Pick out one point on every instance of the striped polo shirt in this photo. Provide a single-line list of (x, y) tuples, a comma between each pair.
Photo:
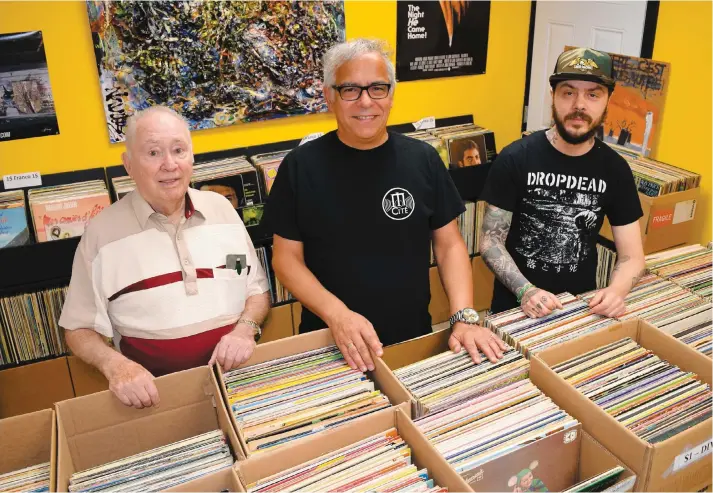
[(162, 292)]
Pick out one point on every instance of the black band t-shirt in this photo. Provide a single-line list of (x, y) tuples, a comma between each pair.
[(365, 218), (558, 204)]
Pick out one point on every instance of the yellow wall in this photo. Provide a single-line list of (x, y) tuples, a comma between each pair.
[(495, 98), (683, 38)]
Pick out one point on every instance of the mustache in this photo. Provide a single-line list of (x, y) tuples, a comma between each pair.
[(579, 114)]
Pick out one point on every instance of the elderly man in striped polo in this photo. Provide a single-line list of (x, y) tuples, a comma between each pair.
[(155, 271)]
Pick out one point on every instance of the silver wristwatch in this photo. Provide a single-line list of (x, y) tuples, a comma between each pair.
[(466, 315), (257, 331)]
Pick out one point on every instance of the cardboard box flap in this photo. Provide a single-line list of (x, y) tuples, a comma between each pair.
[(408, 352), (175, 390), (26, 439), (389, 384), (595, 459)]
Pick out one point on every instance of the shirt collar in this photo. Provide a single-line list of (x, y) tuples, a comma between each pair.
[(144, 211)]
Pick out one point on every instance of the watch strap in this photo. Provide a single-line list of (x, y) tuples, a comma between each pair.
[(257, 331)]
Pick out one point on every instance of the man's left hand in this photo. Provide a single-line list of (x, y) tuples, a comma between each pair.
[(474, 338), (608, 302), (234, 348)]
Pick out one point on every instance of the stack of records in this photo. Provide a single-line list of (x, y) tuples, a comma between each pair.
[(444, 381), (691, 326), (122, 186), (63, 211), (493, 425), (13, 221), (651, 397), (281, 292), (606, 260), (288, 398), (654, 296), (654, 178), (433, 141), (30, 479), (380, 463), (159, 468), (470, 223), (265, 262), (690, 267), (234, 178), (531, 335), (28, 326), (268, 164), (467, 145)]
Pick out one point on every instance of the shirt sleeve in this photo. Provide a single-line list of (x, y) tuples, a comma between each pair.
[(623, 206), (281, 210), (85, 307), (448, 203), (501, 187)]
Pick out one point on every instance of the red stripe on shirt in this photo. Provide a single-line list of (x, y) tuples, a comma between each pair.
[(162, 356), (160, 280)]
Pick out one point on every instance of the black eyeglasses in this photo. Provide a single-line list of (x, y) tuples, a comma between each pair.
[(350, 92)]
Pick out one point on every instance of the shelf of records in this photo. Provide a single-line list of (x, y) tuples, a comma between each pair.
[(606, 410), (61, 211)]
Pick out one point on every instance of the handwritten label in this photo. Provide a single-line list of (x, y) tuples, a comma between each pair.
[(691, 456), (31, 179), (424, 123), (311, 137), (684, 211)]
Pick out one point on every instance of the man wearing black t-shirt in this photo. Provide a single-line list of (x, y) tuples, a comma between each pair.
[(353, 213), (547, 197)]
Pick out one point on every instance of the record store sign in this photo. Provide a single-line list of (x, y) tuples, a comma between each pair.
[(441, 39)]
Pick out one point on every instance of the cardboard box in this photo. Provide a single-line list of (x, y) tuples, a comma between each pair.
[(668, 220), (98, 428), (85, 378), (294, 345), (278, 324), (664, 466), (423, 453), (33, 387), (560, 462), (29, 439), (296, 309)]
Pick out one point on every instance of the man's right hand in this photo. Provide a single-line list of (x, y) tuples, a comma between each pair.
[(132, 384), (537, 302), (354, 335)]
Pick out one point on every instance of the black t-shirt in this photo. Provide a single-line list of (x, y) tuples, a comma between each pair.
[(365, 218), (558, 204)]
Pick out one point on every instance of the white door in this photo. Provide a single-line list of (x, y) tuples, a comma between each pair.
[(613, 26)]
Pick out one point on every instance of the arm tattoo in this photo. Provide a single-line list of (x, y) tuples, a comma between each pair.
[(623, 259), (496, 226), (637, 277)]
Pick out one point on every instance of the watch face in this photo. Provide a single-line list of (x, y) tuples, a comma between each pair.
[(470, 315)]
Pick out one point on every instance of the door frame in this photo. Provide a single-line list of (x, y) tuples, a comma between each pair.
[(647, 46)]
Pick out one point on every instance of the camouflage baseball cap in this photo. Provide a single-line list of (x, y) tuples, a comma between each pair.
[(583, 64)]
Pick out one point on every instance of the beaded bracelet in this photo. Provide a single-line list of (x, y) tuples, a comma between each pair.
[(521, 292)]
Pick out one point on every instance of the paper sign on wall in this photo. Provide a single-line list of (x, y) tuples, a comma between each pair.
[(21, 180)]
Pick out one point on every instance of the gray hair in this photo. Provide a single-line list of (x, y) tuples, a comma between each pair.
[(133, 122), (342, 53)]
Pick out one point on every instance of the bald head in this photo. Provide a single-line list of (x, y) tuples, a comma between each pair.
[(159, 157), (150, 117)]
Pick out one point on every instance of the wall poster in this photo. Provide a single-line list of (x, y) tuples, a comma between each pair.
[(441, 39)]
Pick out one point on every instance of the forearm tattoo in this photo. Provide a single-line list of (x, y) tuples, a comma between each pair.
[(496, 226)]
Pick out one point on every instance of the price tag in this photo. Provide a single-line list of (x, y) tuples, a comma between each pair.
[(311, 137), (692, 455), (31, 179), (425, 123)]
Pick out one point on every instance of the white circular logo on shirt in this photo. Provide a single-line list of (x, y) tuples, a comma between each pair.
[(398, 203)]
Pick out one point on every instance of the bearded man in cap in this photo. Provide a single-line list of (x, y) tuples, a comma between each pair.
[(547, 196)]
